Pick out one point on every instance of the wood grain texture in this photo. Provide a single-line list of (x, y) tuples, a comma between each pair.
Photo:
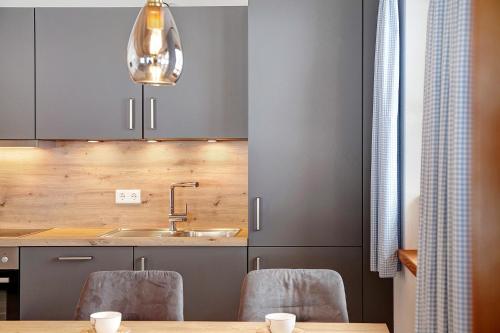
[(184, 327), (74, 183), (409, 259), (485, 211), (90, 237)]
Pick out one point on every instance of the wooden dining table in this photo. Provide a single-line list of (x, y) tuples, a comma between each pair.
[(184, 327)]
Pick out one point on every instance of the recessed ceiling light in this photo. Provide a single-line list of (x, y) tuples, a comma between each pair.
[(93, 141), (211, 141), (152, 141)]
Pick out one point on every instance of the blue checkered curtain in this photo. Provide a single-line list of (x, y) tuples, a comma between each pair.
[(385, 213), (443, 278)]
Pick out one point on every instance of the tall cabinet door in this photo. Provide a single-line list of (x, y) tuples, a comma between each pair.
[(17, 78), (210, 100), (83, 90), (344, 260), (305, 122)]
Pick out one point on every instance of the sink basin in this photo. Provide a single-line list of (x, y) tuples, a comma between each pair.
[(124, 232), (163, 232), (220, 232)]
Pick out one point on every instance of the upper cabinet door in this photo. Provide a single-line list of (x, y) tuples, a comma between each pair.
[(305, 122), (17, 78), (210, 98), (83, 90)]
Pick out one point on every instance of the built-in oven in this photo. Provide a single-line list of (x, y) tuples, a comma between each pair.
[(9, 283)]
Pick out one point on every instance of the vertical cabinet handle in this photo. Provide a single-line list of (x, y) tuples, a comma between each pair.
[(131, 113), (152, 109), (142, 263), (258, 222), (258, 263)]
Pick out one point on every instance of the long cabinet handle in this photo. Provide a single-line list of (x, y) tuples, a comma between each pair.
[(76, 258), (131, 113), (258, 263), (152, 110), (142, 263), (4, 280), (258, 222)]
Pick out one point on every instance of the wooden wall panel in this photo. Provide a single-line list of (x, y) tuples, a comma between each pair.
[(73, 184), (486, 165)]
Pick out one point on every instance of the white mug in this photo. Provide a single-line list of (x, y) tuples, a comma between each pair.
[(106, 321), (280, 322)]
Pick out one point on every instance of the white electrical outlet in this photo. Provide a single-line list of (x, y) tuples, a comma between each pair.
[(128, 196)]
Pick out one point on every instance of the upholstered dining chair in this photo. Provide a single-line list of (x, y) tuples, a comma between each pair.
[(144, 295), (311, 294)]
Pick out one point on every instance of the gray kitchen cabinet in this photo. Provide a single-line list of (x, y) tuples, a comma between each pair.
[(83, 90), (17, 68), (52, 277), (305, 122), (347, 261), (210, 99), (212, 277)]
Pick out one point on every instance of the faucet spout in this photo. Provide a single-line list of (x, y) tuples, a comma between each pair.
[(185, 184), (173, 217)]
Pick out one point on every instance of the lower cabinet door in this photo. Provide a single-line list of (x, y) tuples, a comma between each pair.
[(212, 277), (52, 277), (347, 261)]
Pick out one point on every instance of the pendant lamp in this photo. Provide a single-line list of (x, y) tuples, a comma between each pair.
[(154, 53)]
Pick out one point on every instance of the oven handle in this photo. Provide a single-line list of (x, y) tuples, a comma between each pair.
[(4, 280)]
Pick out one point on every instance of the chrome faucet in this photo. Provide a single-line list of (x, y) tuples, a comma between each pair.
[(174, 217)]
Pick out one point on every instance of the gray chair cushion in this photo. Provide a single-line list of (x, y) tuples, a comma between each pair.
[(311, 294), (146, 295)]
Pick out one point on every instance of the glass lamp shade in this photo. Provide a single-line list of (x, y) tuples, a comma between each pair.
[(154, 53)]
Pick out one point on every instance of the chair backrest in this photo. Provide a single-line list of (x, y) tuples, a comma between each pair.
[(311, 294), (145, 295)]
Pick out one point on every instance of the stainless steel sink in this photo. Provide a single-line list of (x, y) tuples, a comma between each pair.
[(125, 232), (220, 232), (160, 232)]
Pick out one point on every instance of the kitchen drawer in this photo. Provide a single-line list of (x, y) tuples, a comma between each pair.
[(52, 277)]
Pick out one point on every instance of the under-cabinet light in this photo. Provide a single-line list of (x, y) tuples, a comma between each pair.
[(26, 144)]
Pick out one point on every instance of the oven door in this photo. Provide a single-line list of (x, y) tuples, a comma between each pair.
[(9, 294)]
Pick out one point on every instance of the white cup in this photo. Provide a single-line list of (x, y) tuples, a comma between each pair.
[(106, 321), (280, 322)]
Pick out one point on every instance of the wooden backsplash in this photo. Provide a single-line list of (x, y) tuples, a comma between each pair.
[(74, 183)]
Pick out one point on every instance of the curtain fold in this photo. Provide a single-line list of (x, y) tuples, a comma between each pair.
[(443, 278), (385, 210)]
